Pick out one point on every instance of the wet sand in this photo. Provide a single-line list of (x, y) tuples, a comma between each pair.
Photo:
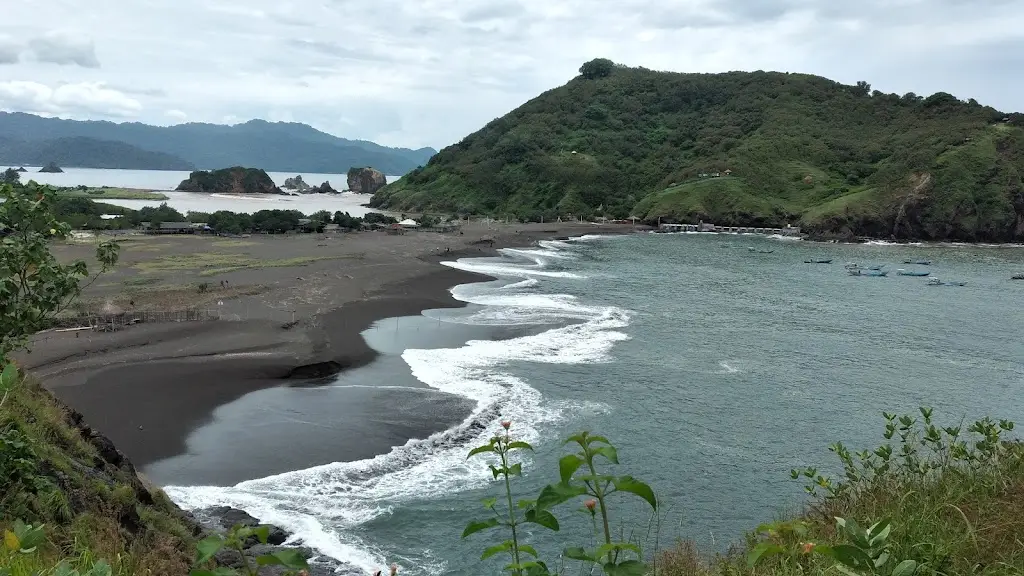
[(148, 386)]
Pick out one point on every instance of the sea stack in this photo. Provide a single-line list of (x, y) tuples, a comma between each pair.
[(234, 180), (365, 180), (51, 168)]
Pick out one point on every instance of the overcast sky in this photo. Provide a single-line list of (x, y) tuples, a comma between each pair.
[(428, 72)]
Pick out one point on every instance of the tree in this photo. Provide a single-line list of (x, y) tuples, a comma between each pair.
[(10, 176), (34, 286), (862, 89), (597, 68)]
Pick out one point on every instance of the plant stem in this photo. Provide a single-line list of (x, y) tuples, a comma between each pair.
[(599, 494), (511, 510)]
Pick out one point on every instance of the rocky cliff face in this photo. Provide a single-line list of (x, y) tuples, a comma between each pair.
[(296, 183), (236, 180), (365, 180)]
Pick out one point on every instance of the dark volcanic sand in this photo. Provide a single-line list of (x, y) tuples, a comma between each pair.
[(149, 386)]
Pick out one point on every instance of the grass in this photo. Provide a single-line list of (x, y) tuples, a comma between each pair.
[(234, 243), (140, 281), (112, 194), (90, 510), (213, 263)]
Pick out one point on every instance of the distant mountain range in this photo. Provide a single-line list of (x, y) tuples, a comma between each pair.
[(273, 146)]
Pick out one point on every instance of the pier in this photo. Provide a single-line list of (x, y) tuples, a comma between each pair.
[(706, 227)]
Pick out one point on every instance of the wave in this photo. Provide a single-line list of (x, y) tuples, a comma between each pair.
[(325, 506)]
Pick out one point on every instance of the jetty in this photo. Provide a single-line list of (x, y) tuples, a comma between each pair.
[(707, 227)]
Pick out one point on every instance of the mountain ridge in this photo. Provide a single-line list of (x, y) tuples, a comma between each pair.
[(272, 146), (839, 160), (84, 152)]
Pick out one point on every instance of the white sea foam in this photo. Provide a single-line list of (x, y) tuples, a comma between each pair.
[(727, 368), (324, 505)]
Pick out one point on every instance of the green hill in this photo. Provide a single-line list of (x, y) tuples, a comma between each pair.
[(800, 149)]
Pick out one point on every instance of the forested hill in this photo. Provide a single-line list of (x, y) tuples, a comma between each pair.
[(272, 146), (86, 153), (788, 148)]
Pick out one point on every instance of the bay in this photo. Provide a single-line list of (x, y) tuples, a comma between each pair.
[(713, 368)]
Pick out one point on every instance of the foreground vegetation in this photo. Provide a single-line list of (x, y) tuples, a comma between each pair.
[(797, 149)]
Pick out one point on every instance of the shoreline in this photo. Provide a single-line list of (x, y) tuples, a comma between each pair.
[(149, 387)]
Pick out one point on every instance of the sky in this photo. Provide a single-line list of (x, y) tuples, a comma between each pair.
[(428, 72)]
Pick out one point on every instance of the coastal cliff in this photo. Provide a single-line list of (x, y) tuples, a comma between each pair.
[(738, 149), (365, 180), (234, 180)]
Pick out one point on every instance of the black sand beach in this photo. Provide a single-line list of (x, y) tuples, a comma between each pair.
[(149, 385)]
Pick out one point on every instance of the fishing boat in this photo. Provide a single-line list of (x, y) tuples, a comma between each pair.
[(867, 272), (902, 272), (1017, 277), (937, 282), (818, 261), (920, 262), (752, 249)]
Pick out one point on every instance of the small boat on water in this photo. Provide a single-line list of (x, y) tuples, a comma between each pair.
[(920, 262), (818, 261), (920, 273), (867, 272), (752, 249), (937, 282), (1017, 277)]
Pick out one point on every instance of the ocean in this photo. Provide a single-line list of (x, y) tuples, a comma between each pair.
[(713, 368), (166, 181)]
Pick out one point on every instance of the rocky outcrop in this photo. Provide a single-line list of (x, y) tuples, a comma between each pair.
[(21, 169), (50, 168), (234, 180), (296, 183), (324, 188), (365, 180)]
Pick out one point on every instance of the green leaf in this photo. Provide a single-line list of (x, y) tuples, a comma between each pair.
[(220, 571), (8, 377), (905, 568), (524, 503), (608, 452), (520, 445), (579, 438), (489, 503), (879, 532), (516, 470), (577, 553), (62, 569), (567, 466), (476, 526), (290, 559), (634, 486), (100, 568), (527, 549), (480, 450), (627, 568), (762, 550), (503, 547), (207, 547), (555, 494), (852, 557), (602, 439), (604, 549), (262, 533), (543, 518)]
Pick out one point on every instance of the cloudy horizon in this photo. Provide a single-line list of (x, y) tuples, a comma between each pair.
[(428, 73)]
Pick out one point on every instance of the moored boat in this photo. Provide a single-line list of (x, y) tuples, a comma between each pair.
[(937, 282), (1017, 277), (920, 273), (818, 261), (866, 272), (920, 262)]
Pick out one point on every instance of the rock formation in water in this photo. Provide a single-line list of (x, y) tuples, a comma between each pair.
[(21, 169), (365, 180), (296, 183), (324, 188), (50, 168), (235, 180)]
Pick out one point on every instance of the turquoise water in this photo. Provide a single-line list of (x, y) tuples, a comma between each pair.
[(713, 368)]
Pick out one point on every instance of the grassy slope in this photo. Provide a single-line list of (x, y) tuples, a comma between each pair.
[(804, 149), (112, 194), (90, 499)]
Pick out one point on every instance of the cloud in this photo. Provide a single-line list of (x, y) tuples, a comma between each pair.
[(428, 73), (64, 48), (79, 100), (176, 115)]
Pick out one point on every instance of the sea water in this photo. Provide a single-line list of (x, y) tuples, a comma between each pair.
[(714, 369)]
